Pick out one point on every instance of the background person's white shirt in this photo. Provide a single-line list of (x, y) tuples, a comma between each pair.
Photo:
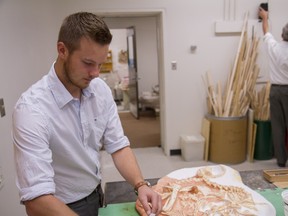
[(278, 59)]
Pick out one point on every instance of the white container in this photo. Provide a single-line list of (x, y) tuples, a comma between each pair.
[(284, 195), (192, 147)]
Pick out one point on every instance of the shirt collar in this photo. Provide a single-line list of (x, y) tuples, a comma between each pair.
[(88, 92), (61, 95)]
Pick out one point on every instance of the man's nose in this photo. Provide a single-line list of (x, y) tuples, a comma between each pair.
[(94, 72)]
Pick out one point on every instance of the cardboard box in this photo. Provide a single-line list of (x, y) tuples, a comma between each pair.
[(276, 175)]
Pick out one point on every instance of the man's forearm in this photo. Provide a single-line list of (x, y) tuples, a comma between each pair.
[(47, 205), (264, 15), (127, 165)]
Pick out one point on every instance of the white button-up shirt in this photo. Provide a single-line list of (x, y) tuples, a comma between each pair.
[(57, 138), (278, 59)]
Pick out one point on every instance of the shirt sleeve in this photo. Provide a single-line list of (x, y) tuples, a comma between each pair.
[(270, 40), (33, 157), (114, 138)]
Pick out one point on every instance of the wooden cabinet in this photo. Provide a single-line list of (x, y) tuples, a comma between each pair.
[(108, 65)]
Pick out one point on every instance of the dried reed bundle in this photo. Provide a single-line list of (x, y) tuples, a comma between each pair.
[(260, 103), (237, 95)]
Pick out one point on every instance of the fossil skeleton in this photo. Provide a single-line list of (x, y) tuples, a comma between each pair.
[(198, 196)]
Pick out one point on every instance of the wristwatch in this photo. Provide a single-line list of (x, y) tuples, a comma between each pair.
[(140, 184)]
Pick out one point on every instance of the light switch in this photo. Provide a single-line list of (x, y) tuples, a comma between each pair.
[(174, 65), (2, 108)]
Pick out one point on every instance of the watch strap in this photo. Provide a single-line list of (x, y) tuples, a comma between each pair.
[(140, 184)]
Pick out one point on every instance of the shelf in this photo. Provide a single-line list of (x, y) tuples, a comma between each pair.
[(108, 65)]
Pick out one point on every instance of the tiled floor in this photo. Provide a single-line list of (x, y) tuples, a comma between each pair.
[(155, 164)]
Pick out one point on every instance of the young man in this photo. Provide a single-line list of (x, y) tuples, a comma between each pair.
[(278, 70), (60, 124)]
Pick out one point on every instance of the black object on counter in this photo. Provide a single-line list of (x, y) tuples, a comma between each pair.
[(265, 7)]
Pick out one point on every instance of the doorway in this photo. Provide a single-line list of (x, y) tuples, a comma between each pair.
[(125, 19)]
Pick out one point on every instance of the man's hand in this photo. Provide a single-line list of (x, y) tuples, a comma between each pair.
[(151, 201)]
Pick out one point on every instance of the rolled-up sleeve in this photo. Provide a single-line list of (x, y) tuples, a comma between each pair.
[(32, 154)]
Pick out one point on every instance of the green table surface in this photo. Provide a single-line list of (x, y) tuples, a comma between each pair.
[(274, 197), (128, 209), (121, 209)]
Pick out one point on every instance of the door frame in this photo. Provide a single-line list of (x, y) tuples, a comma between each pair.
[(133, 72), (159, 14)]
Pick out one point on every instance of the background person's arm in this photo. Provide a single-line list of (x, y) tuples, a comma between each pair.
[(264, 15)]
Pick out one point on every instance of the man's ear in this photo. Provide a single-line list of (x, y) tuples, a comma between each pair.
[(283, 38), (62, 50)]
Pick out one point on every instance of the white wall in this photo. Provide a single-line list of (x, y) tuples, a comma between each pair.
[(27, 41), (28, 47)]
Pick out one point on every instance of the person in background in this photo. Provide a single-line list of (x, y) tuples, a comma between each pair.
[(278, 70), (61, 123)]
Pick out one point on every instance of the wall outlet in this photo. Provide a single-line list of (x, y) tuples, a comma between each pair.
[(2, 107)]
